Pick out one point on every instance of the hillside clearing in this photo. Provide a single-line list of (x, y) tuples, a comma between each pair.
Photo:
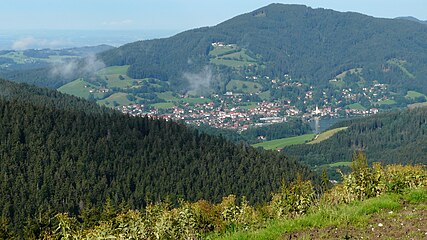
[(283, 142), (386, 102), (356, 106), (414, 94), (325, 135), (243, 86)]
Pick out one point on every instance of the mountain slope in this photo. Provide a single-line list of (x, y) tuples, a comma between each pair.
[(310, 44), (394, 137), (55, 157)]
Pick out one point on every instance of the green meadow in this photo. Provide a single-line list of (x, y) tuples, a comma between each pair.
[(283, 142)]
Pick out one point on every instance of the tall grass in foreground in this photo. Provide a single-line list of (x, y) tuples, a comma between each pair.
[(295, 206), (363, 192)]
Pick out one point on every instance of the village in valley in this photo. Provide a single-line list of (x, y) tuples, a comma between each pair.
[(232, 111), (247, 100)]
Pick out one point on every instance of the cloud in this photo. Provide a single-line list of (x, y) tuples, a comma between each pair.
[(68, 69), (119, 23), (200, 82), (31, 42)]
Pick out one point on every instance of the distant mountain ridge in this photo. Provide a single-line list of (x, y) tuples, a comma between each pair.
[(36, 66), (313, 45), (413, 19)]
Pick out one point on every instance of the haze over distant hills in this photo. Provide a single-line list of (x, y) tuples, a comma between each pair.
[(59, 39)]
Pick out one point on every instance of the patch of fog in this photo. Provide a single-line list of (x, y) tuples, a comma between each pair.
[(200, 83), (87, 66)]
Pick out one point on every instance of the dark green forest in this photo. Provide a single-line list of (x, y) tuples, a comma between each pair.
[(309, 44), (44, 97), (293, 127), (38, 76), (392, 137), (62, 154)]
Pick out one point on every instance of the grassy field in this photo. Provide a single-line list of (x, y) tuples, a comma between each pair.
[(165, 105), (338, 80), (325, 135), (357, 106), (231, 56), (307, 138), (114, 70), (116, 77), (119, 98), (243, 86), (351, 71), (386, 102), (414, 94), (167, 96), (218, 51), (77, 88), (340, 164), (241, 56), (249, 105), (230, 62), (337, 164), (196, 100), (283, 142), (401, 64)]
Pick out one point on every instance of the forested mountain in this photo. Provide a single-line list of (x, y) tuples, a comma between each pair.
[(393, 137), (55, 157), (314, 45), (413, 19)]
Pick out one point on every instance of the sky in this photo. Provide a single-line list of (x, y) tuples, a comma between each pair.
[(58, 24), (175, 15)]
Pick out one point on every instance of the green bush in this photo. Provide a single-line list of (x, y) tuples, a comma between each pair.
[(292, 200), (365, 182)]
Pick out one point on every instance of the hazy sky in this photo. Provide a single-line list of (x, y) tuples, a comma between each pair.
[(169, 14)]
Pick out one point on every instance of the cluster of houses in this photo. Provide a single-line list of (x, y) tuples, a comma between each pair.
[(231, 112)]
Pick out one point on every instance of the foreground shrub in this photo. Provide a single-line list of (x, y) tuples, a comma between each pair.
[(399, 177), (198, 220), (292, 200), (364, 182)]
